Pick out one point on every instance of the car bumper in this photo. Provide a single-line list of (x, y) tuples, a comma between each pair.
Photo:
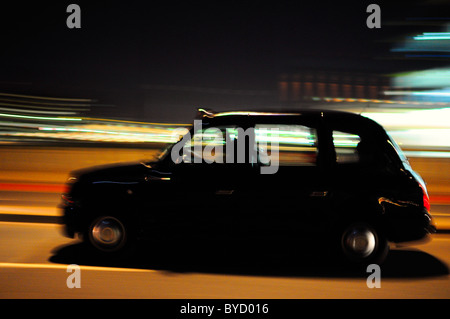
[(413, 228), (71, 221)]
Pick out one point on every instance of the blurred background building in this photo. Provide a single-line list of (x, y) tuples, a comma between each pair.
[(161, 63)]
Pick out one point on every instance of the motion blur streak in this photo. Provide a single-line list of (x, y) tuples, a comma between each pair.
[(411, 128), (48, 188), (40, 117), (46, 97), (34, 111), (53, 266)]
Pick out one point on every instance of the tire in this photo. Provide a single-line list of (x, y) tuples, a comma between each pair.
[(110, 235), (362, 244)]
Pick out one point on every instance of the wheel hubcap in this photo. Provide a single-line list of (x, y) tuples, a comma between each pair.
[(108, 233), (359, 241)]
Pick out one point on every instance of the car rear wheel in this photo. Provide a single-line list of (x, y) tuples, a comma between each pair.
[(361, 243)]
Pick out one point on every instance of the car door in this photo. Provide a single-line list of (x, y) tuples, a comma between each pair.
[(207, 182), (290, 202)]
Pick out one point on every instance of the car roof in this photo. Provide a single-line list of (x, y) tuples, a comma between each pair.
[(336, 120)]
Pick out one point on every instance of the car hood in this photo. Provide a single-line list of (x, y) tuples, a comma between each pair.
[(123, 172)]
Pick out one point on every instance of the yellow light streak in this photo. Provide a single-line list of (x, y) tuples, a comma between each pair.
[(64, 267), (134, 122), (40, 117)]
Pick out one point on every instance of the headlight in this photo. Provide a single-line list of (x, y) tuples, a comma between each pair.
[(69, 183), (71, 179)]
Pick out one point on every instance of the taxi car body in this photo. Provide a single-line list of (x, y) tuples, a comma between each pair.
[(337, 179)]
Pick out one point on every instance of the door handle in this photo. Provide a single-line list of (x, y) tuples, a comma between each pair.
[(318, 194), (224, 191)]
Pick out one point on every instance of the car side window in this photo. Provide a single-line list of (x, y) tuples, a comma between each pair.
[(296, 144), (208, 145), (346, 147)]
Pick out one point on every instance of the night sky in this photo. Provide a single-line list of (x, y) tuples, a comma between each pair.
[(124, 47)]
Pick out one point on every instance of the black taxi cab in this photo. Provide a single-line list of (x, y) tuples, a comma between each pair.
[(301, 178)]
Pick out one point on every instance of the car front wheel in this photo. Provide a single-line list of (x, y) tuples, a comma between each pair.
[(108, 234)]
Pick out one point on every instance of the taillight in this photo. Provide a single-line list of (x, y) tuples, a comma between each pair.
[(426, 199)]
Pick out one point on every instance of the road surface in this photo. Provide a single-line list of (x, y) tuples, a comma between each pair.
[(34, 264), (34, 256)]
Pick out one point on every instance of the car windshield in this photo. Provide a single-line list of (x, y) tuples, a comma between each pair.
[(164, 152)]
